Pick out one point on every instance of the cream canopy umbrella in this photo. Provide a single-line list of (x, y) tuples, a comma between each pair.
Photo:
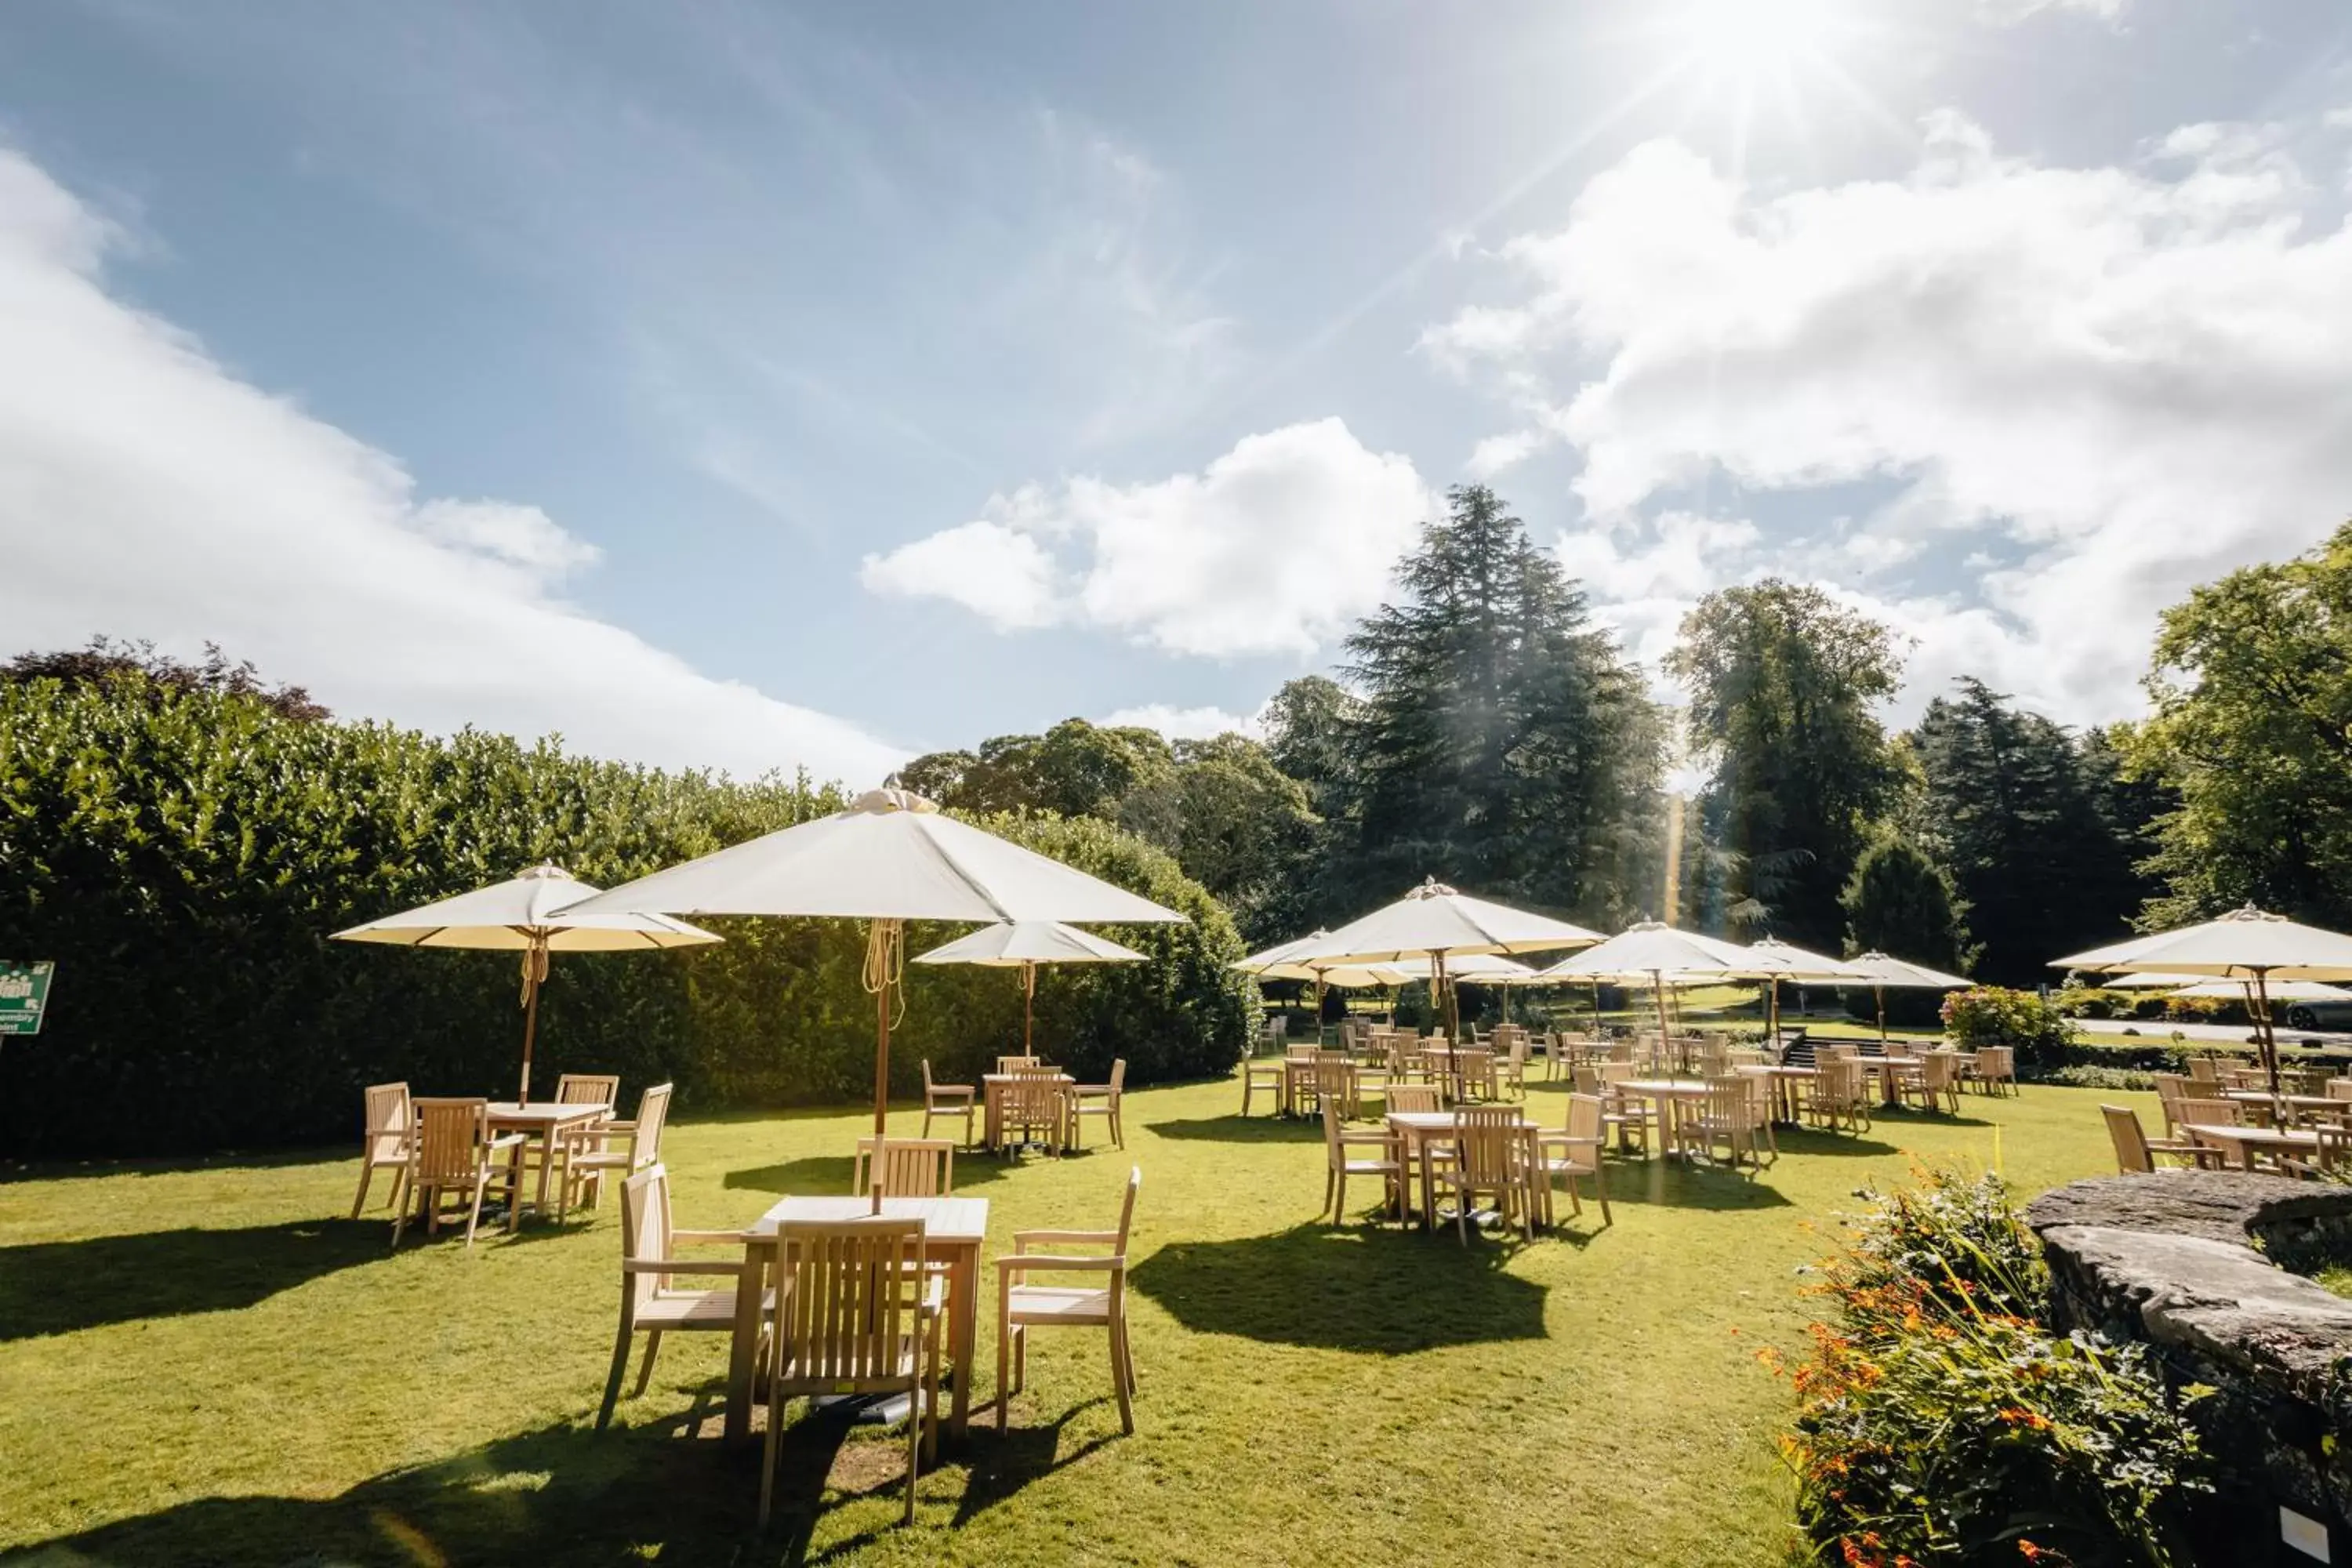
[(1435, 923), (1881, 971), (892, 856), (530, 914), (2248, 945), (1024, 945), (1663, 953), (1775, 961), (1476, 969), (1278, 963)]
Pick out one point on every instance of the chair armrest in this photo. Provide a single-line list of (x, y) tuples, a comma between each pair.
[(676, 1265), (1025, 1261), (1562, 1141), (614, 1127), (1100, 1237), (708, 1238)]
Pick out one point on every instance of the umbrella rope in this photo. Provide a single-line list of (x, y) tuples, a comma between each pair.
[(534, 972), (885, 964)]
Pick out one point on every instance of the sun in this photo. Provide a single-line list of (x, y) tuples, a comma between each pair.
[(1748, 40)]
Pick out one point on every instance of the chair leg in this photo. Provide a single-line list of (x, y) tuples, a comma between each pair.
[(1599, 1185), (645, 1372), (367, 1174), (914, 1454), (1126, 1351), (1020, 1360), (931, 1411), (620, 1365), (1117, 1131), (1328, 1177), (1339, 1199), (769, 1446), (927, 1118), (400, 1220), (1119, 1381), (474, 1210), (1003, 1355)]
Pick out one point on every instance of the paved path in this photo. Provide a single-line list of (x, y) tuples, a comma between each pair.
[(2162, 1029)]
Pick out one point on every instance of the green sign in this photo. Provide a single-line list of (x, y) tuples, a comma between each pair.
[(24, 994)]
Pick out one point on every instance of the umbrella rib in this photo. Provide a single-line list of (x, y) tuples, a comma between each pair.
[(965, 877)]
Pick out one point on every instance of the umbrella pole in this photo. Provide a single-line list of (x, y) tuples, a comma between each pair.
[(2263, 1032), (885, 955), (1658, 995), (534, 963), (1319, 1009), (1028, 1009), (1879, 991)]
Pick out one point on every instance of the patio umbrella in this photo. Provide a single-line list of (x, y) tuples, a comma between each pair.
[(1435, 923), (891, 857), (1882, 971), (1024, 945), (1477, 969), (2248, 945), (530, 914), (1663, 953), (1775, 961), (1278, 963)]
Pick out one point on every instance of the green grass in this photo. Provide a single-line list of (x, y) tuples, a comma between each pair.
[(207, 1363)]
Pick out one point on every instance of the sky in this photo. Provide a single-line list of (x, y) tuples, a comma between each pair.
[(749, 387)]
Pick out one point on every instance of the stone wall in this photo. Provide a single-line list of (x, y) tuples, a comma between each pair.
[(2190, 1262)]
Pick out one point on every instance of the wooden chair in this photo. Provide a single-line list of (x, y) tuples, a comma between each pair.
[(453, 1151), (1022, 1306), (1474, 1070), (2171, 1088), (2205, 1071), (1423, 1096), (1841, 1096), (857, 1311), (2338, 1087), (907, 1168), (1725, 1120), (1995, 1069), (2333, 1159), (1098, 1100), (627, 1147), (1261, 1073), (651, 1302), (1632, 1123), (1016, 1064), (1491, 1156), (1510, 1070), (1032, 1100), (2210, 1112), (383, 1146), (589, 1088), (1935, 1086), (949, 1100), (1572, 1154), (2136, 1152), (1338, 1167)]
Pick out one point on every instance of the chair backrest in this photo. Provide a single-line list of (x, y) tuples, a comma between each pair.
[(2340, 1088), (849, 1307), (645, 1230), (1118, 1075), (907, 1167), (1332, 1077), (1937, 1068), (1486, 1142), (1306, 1051), (2002, 1061), (1585, 1078), (588, 1088), (387, 1122), (2204, 1070), (2169, 1088), (449, 1138), (1728, 1102), (2131, 1144), (1033, 1098), (1412, 1097), (1472, 1063), (1126, 1206), (653, 1115), (1620, 1051), (1016, 1064), (928, 1084), (1840, 1081), (2208, 1112)]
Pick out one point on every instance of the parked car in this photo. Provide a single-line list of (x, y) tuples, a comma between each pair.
[(2335, 1016)]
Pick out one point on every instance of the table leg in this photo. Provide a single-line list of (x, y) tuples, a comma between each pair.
[(546, 1163), (745, 1350), (963, 1310)]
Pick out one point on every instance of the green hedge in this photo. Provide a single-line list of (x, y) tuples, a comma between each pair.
[(185, 857)]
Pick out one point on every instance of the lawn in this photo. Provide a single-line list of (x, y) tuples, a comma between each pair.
[(208, 1364)]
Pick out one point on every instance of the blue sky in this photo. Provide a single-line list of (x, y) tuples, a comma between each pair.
[(749, 386)]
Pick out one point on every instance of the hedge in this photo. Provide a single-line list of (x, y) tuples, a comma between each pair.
[(184, 857)]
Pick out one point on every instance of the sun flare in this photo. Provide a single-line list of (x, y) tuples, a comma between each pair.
[(1749, 38)]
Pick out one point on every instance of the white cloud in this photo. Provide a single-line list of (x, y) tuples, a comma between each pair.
[(1276, 547), (1186, 723), (147, 492), (993, 571), (2133, 375), (2006, 13)]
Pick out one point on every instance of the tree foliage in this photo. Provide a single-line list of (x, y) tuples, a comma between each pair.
[(1783, 684), (1900, 903), (2252, 684), (183, 855), (139, 667), (2017, 807)]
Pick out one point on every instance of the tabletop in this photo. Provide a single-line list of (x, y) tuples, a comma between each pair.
[(944, 1219), (553, 1111), (1434, 1121), (2275, 1137), (1659, 1085), (1015, 1077), (2300, 1102), (1775, 1069)]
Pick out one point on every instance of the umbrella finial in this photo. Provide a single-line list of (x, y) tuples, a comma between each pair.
[(2251, 913), (1431, 887)]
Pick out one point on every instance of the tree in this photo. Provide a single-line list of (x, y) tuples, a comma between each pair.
[(1899, 901), (108, 662), (1782, 684), (2044, 870), (2252, 682), (1500, 741), (1246, 832), (1310, 727)]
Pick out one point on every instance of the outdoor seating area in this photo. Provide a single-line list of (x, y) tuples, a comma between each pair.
[(1239, 1323)]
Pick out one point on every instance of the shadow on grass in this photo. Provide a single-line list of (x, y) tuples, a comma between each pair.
[(562, 1495), (1678, 1183), (88, 1170), (823, 1176), (57, 1286), (1241, 1130), (1004, 1462), (1809, 1140), (1345, 1289)]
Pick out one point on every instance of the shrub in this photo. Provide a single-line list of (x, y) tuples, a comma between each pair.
[(1939, 1423), (184, 855), (1997, 1016)]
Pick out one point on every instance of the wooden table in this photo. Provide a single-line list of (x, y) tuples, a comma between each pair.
[(1415, 1130), (2241, 1143), (953, 1232), (1786, 1083), (2303, 1105), (992, 1094), (545, 1119), (1669, 1095)]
